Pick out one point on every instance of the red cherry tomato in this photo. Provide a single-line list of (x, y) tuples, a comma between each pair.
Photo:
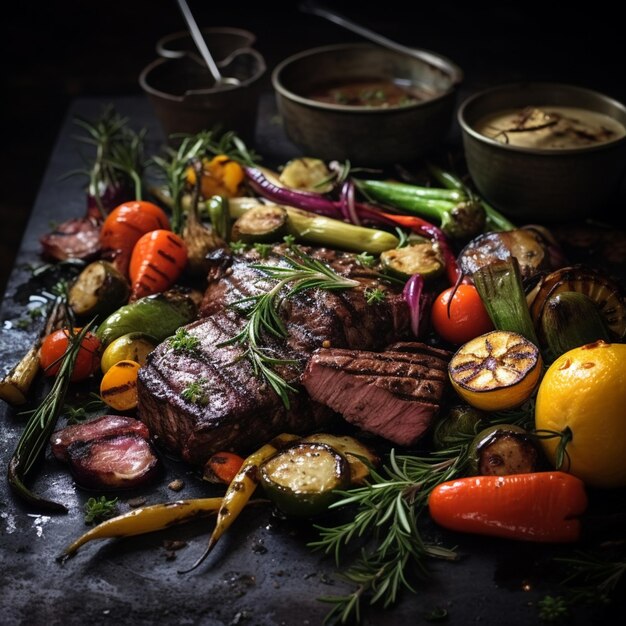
[(54, 346), (467, 316)]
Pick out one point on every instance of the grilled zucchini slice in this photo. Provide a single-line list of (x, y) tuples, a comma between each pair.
[(302, 478)]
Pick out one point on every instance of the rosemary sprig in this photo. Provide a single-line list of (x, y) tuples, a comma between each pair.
[(387, 514), (301, 272), (40, 426), (127, 157)]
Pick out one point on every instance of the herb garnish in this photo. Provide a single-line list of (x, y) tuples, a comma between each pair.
[(99, 509), (238, 246), (195, 392), (263, 249), (365, 259), (78, 414), (374, 296), (183, 341), (302, 273)]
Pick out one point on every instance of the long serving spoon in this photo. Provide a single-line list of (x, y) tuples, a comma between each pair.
[(220, 81), (433, 60)]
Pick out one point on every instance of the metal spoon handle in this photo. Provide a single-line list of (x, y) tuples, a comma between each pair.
[(423, 55), (199, 40)]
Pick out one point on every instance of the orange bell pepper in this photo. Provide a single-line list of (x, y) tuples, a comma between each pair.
[(539, 506)]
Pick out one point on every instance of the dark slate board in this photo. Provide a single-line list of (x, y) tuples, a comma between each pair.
[(262, 573)]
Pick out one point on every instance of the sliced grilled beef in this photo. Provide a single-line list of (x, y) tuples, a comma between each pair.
[(104, 426), (394, 394), (115, 462), (234, 408)]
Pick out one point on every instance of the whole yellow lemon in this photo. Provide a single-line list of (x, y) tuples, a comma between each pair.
[(585, 390)]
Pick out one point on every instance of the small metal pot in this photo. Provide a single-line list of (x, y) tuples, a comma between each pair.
[(180, 87), (539, 184), (364, 135)]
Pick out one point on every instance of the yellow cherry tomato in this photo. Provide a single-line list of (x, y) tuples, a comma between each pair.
[(130, 347), (119, 386)]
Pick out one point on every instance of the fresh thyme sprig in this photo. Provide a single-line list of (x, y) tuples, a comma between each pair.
[(183, 341), (99, 509), (301, 272), (76, 414), (375, 296), (195, 392), (387, 515)]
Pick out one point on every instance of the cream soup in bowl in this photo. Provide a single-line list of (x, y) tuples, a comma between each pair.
[(550, 127)]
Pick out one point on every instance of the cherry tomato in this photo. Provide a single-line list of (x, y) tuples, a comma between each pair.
[(54, 346), (467, 315)]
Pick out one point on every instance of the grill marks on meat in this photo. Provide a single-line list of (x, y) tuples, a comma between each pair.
[(393, 394), (112, 451), (239, 410)]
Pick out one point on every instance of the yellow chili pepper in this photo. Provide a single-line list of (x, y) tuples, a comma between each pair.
[(221, 176), (240, 491), (146, 520)]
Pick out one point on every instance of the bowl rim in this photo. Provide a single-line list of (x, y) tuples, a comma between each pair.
[(348, 108), (168, 53), (547, 152), (153, 91)]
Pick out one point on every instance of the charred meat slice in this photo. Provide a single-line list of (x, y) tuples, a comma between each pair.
[(74, 239), (392, 394), (116, 462), (235, 409), (105, 426)]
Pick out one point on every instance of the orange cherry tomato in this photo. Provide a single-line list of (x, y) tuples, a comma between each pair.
[(54, 346), (465, 317)]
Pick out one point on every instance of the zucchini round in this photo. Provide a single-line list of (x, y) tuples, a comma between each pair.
[(420, 258), (301, 480), (98, 290), (263, 223), (360, 458)]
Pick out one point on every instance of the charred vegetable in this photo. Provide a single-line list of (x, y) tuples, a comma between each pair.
[(569, 320), (240, 491), (130, 347), (601, 290), (540, 506), (118, 387), (262, 223), (301, 479), (457, 427), (308, 174), (199, 240), (145, 520), (219, 176), (527, 246), (459, 216), (162, 314), (420, 258), (359, 456), (500, 287), (98, 290), (222, 467), (502, 450)]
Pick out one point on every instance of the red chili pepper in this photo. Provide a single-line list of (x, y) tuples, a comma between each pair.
[(157, 261), (539, 506)]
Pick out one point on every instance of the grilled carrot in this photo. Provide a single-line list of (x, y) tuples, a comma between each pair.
[(539, 506), (157, 261), (222, 467), (125, 225)]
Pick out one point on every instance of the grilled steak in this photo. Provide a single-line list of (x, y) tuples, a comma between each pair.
[(233, 407), (394, 394)]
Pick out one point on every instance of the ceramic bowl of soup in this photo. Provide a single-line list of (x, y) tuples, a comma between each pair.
[(364, 103), (544, 151)]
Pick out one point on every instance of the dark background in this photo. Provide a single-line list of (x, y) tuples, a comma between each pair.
[(56, 51)]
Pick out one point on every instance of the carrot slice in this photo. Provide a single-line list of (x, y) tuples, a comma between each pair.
[(157, 261)]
